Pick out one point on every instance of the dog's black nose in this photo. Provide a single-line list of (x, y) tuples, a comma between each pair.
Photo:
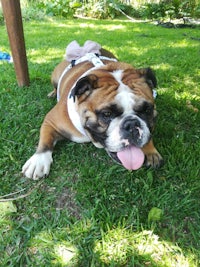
[(131, 130), (130, 125)]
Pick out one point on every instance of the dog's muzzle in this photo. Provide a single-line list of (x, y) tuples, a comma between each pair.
[(134, 134), (135, 131)]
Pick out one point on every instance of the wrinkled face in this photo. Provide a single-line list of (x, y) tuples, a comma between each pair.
[(116, 107)]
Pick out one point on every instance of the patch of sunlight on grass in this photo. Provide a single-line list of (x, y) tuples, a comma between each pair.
[(115, 27), (37, 56), (134, 49), (189, 83), (162, 66), (186, 96), (103, 26), (87, 25), (65, 253), (119, 245), (42, 239), (181, 44), (69, 24), (62, 252), (7, 208)]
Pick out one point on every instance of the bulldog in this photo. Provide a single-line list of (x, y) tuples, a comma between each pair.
[(103, 101)]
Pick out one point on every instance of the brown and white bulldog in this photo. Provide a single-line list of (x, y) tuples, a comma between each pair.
[(103, 101)]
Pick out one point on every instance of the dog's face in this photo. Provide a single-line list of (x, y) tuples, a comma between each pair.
[(116, 106)]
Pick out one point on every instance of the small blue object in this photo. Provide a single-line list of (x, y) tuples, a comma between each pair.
[(155, 94), (5, 56)]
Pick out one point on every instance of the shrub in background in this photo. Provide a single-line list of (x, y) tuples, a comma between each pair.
[(152, 9), (171, 9), (98, 9), (103, 9), (59, 8)]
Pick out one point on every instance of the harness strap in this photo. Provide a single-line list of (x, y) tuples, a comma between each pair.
[(91, 57), (71, 104)]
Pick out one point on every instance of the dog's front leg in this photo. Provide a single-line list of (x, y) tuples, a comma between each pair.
[(153, 157), (39, 164)]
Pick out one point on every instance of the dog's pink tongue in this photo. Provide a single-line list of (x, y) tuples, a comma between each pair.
[(131, 157)]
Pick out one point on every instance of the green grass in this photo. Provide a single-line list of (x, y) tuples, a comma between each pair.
[(90, 211)]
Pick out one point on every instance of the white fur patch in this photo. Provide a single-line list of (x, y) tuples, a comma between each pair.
[(38, 165), (125, 96), (126, 99), (118, 75)]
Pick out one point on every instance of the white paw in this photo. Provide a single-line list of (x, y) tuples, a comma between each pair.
[(38, 165)]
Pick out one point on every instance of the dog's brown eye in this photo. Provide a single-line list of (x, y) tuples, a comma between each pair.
[(106, 114), (146, 108), (149, 110)]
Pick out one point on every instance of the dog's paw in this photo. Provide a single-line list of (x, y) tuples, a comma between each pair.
[(38, 165), (154, 160)]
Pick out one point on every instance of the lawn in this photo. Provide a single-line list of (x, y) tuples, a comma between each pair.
[(91, 211)]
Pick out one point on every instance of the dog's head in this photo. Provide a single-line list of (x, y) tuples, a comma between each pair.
[(116, 108)]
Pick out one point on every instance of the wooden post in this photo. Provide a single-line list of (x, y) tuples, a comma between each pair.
[(13, 18)]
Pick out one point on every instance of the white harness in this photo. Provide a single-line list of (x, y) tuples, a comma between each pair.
[(71, 104)]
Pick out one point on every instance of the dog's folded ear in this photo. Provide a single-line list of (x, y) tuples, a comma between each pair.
[(84, 85), (150, 77)]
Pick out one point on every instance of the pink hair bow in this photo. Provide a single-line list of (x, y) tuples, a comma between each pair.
[(74, 51)]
